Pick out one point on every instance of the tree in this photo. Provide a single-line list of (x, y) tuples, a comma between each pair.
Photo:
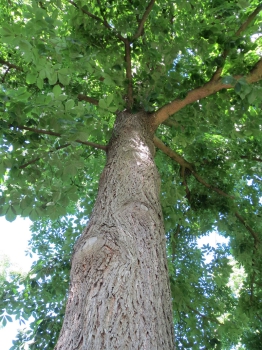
[(101, 84)]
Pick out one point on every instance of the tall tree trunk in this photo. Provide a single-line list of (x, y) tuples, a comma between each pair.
[(119, 295)]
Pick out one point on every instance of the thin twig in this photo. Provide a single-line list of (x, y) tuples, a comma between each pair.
[(38, 158), (143, 20), (204, 316), (52, 133)]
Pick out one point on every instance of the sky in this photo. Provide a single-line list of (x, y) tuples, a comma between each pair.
[(13, 243)]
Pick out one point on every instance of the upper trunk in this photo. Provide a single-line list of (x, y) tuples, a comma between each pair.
[(119, 295)]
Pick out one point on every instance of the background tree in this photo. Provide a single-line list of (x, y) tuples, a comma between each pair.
[(190, 71)]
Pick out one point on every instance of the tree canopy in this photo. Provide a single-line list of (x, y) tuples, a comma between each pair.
[(67, 68)]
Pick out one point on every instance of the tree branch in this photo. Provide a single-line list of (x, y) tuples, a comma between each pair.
[(10, 65), (180, 160), (129, 75), (208, 89), (190, 166), (173, 123), (173, 243), (253, 233), (103, 21), (142, 21), (243, 27), (38, 158), (52, 133), (252, 158), (204, 316), (5, 74), (249, 20), (91, 100)]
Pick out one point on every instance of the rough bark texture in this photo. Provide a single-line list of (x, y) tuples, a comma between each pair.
[(119, 295)]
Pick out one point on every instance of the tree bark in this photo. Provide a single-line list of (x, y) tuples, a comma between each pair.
[(119, 296)]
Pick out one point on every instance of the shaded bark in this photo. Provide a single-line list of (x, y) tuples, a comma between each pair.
[(119, 295)]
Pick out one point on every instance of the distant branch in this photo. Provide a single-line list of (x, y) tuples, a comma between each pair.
[(186, 165), (129, 75), (10, 65), (5, 74), (103, 21), (243, 27), (183, 174), (253, 233), (91, 100), (250, 18), (204, 316), (38, 158), (48, 132), (180, 160), (142, 21), (173, 123), (208, 89), (173, 242), (251, 158)]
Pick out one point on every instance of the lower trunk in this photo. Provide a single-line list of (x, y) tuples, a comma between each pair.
[(119, 295)]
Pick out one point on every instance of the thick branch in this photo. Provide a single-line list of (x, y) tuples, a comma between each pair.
[(38, 158), (238, 32), (208, 89), (143, 20), (52, 133)]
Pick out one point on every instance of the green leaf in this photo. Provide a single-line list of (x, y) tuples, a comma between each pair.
[(31, 78), (228, 80), (10, 214), (56, 196), (34, 215), (57, 90), (69, 104), (52, 76), (102, 103), (40, 83), (9, 318)]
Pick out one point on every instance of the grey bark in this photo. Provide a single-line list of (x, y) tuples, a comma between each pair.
[(119, 295)]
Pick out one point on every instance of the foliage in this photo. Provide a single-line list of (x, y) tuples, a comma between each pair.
[(9, 274), (67, 68)]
